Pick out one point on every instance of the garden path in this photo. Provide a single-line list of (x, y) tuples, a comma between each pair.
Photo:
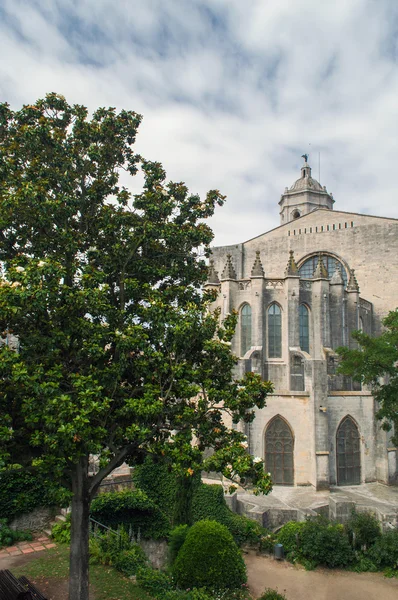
[(322, 584)]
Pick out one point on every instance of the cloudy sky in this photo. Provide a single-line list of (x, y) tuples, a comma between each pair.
[(232, 91)]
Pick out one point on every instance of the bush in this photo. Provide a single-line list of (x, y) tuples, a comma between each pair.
[(384, 552), (364, 564), (209, 558), (23, 490), (9, 537), (325, 543), (316, 542), (133, 509), (156, 583), (270, 594), (362, 529), (268, 541), (176, 539), (209, 503), (60, 532), (129, 561), (105, 547), (289, 536)]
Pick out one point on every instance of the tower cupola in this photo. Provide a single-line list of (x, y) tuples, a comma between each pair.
[(304, 196)]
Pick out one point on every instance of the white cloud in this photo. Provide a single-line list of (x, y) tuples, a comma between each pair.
[(232, 92)]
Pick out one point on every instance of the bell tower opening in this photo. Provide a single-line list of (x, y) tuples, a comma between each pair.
[(304, 196)]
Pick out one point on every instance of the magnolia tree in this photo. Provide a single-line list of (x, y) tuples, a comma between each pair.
[(119, 356), (375, 363)]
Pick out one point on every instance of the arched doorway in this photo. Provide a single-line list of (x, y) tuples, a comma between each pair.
[(279, 446), (348, 453)]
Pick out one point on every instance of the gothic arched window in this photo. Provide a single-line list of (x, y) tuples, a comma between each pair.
[(274, 331), (308, 267), (279, 445), (348, 453), (304, 328), (245, 329)]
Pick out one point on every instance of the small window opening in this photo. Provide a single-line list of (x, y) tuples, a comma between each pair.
[(339, 225), (288, 233), (352, 223), (345, 225), (334, 227), (321, 227), (310, 229), (328, 228)]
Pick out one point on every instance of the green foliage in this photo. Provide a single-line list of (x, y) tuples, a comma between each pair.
[(158, 480), (363, 529), (209, 503), (22, 490), (177, 537), (9, 537), (268, 541), (60, 531), (209, 558), (129, 561), (364, 564), (132, 508), (156, 583), (317, 542), (376, 358), (270, 594), (384, 552), (102, 289), (289, 536)]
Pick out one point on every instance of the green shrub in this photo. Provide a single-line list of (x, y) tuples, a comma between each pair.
[(133, 509), (362, 529), (364, 564), (60, 532), (289, 536), (106, 546), (176, 539), (325, 543), (268, 541), (384, 552), (209, 558), (23, 490), (209, 503), (270, 594), (156, 583), (9, 537), (316, 542), (129, 561)]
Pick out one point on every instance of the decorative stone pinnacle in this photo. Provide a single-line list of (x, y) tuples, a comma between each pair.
[(212, 276), (291, 268), (321, 271), (337, 277), (352, 285), (229, 271), (257, 269)]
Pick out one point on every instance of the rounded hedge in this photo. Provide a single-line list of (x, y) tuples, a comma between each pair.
[(209, 558)]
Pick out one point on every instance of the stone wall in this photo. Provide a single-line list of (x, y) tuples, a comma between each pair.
[(36, 520)]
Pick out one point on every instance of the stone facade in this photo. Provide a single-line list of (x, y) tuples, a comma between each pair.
[(300, 290)]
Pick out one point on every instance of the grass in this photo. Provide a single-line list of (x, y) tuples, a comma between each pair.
[(107, 583)]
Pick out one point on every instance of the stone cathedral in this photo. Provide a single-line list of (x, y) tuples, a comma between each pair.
[(300, 290)]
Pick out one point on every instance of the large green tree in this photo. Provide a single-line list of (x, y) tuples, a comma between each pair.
[(119, 356), (375, 363)]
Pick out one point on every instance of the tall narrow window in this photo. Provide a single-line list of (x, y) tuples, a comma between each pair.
[(245, 329), (304, 328), (274, 331)]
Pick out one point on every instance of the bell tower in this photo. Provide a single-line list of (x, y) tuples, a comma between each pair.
[(304, 196)]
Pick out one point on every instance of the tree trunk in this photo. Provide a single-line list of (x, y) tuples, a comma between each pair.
[(79, 557)]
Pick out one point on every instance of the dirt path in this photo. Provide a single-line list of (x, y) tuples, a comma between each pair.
[(321, 584)]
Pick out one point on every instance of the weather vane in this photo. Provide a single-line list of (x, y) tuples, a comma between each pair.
[(305, 156)]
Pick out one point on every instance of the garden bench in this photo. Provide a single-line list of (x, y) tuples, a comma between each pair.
[(12, 588)]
